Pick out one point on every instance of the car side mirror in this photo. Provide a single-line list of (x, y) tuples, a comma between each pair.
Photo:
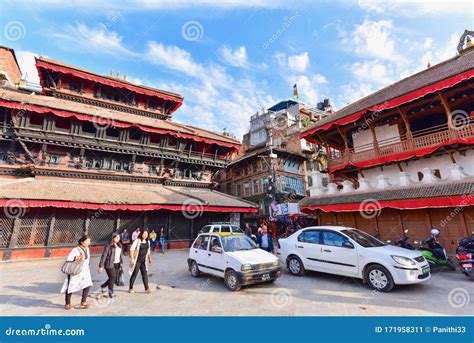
[(348, 245), (217, 250)]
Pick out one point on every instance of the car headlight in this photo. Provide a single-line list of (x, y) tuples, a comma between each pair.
[(276, 263), (246, 267), (405, 261)]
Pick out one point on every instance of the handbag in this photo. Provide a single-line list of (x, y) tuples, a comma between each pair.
[(120, 280), (72, 267)]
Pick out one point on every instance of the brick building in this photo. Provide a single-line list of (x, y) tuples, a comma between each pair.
[(273, 154)]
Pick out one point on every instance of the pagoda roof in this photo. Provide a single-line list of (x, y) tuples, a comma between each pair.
[(109, 195), (441, 194), (65, 108), (437, 77), (48, 63)]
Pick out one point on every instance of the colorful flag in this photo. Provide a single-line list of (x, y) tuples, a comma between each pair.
[(295, 92)]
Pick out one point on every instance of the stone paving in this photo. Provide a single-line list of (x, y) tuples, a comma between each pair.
[(32, 288)]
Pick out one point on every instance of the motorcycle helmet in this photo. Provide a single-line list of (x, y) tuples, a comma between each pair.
[(435, 231)]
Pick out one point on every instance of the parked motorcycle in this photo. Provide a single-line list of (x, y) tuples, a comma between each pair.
[(465, 255), (430, 249)]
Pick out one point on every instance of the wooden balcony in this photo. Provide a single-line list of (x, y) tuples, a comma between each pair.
[(421, 139)]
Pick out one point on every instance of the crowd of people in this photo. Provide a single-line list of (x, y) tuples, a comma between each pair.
[(139, 245)]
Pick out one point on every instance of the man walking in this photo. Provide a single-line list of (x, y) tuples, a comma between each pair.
[(264, 240)]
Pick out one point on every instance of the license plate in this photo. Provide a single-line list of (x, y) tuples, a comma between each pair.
[(266, 277), (467, 265), (425, 270)]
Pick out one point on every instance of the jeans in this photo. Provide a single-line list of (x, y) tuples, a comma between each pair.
[(140, 266), (162, 243)]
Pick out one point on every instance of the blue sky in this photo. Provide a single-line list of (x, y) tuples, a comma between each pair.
[(230, 58)]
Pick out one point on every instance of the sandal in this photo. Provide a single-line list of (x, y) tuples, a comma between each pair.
[(131, 291), (148, 290), (68, 306), (84, 305)]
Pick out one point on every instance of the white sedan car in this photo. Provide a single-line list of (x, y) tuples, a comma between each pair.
[(234, 257), (351, 252)]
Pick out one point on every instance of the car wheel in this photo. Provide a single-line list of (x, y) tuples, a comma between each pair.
[(195, 272), (379, 278), (295, 266), (231, 281)]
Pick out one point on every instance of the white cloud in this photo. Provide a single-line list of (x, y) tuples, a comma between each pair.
[(374, 39), (173, 58), (416, 8), (308, 86), (371, 71), (92, 40), (214, 99), (298, 63), (352, 92), (236, 58), (165, 5)]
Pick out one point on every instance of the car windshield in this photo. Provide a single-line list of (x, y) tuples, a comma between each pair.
[(364, 239), (235, 243), (237, 229)]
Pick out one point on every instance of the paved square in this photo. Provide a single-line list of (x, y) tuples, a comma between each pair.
[(32, 288)]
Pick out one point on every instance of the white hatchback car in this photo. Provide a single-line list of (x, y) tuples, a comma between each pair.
[(234, 257), (351, 252)]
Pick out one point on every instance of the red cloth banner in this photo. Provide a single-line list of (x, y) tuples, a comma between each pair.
[(113, 122), (449, 82), (124, 207), (403, 204)]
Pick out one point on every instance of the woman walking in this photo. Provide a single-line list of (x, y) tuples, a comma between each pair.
[(140, 255), (162, 239), (81, 281), (111, 260)]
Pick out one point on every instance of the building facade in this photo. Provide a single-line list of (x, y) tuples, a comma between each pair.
[(96, 154), (272, 168), (403, 157)]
